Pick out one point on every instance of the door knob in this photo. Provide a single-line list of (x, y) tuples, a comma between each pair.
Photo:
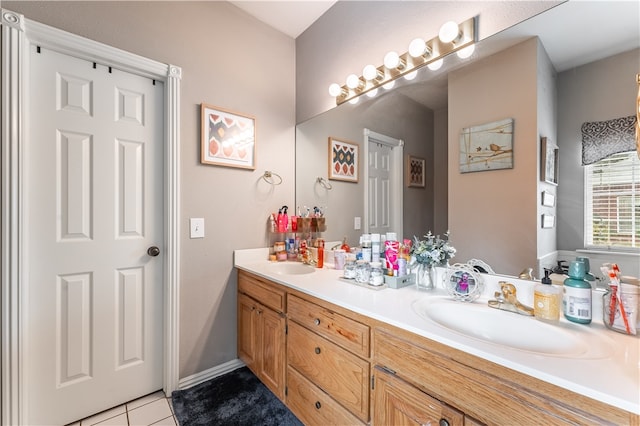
[(153, 251)]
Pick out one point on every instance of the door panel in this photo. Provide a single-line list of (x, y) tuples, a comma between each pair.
[(379, 188), (94, 180)]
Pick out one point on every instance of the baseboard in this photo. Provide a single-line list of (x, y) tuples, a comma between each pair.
[(203, 376)]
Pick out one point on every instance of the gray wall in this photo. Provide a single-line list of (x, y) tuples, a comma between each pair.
[(353, 34), (227, 60), (598, 91)]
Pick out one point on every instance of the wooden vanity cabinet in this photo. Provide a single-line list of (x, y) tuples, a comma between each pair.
[(262, 330)]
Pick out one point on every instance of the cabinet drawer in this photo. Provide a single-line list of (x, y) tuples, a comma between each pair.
[(344, 331), (342, 375), (312, 406), (261, 290)]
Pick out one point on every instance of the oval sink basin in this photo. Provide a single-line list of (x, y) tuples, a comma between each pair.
[(287, 268), (507, 329)]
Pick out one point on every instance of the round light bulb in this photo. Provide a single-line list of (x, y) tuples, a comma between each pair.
[(448, 32), (389, 85), (371, 93), (369, 72), (391, 60), (354, 100), (353, 81), (466, 52), (417, 47), (411, 75), (435, 65), (335, 90)]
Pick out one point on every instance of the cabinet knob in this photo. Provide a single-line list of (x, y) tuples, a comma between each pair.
[(317, 321), (259, 311), (317, 350), (443, 422), (318, 405)]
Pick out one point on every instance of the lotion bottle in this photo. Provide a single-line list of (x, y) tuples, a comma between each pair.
[(576, 302), (547, 300)]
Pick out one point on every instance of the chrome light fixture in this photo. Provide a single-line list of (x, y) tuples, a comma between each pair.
[(452, 37)]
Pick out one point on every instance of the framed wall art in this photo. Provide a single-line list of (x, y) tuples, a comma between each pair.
[(548, 199), (548, 161), (548, 221), (343, 160), (415, 171), (228, 138), (487, 147)]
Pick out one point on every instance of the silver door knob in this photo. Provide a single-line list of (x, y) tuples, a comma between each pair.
[(153, 251)]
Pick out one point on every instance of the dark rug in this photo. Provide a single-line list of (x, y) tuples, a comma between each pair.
[(235, 398)]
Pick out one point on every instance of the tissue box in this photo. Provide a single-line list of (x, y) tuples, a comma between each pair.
[(399, 282)]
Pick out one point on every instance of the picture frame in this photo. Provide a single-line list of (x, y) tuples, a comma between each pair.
[(344, 160), (487, 146), (548, 199), (415, 174), (548, 161), (228, 138), (548, 221)]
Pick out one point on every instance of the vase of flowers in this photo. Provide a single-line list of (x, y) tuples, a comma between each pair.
[(426, 254)]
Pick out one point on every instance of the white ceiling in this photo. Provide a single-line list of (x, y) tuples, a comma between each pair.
[(290, 17)]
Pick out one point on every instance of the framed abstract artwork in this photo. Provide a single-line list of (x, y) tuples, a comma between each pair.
[(487, 147), (548, 161), (343, 160), (415, 171), (228, 138)]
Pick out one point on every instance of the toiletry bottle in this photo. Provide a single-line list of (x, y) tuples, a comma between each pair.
[(365, 245), (547, 300), (576, 302), (375, 247)]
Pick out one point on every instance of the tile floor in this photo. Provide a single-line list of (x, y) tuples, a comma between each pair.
[(153, 409)]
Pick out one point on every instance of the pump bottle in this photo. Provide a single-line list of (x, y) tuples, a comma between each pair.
[(576, 302), (547, 300)]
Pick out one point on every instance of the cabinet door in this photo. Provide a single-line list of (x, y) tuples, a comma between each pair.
[(248, 337), (395, 402), (272, 361)]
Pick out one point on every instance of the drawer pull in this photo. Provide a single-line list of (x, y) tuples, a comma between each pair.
[(317, 350), (317, 321), (318, 405), (443, 422)]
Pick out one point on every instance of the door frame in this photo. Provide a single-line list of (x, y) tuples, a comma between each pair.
[(397, 164), (18, 36)]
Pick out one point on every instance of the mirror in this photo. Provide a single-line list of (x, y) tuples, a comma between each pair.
[(417, 112)]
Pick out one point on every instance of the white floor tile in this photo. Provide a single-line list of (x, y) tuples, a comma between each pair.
[(150, 413), (144, 400), (95, 419), (169, 421), (120, 420)]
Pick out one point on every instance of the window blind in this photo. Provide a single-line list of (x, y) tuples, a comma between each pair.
[(612, 188)]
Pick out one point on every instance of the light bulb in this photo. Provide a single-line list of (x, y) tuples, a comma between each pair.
[(335, 90), (369, 72), (417, 47), (435, 65), (411, 75), (353, 81), (391, 60), (389, 85), (466, 52), (448, 32), (354, 100), (371, 93)]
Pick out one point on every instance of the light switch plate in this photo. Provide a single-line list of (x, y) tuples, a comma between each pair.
[(357, 222), (196, 224)]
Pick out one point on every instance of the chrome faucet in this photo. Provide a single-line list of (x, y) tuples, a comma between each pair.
[(506, 300)]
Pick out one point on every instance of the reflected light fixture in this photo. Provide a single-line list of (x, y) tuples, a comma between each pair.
[(452, 37)]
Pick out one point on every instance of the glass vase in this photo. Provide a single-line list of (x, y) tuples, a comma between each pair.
[(425, 276)]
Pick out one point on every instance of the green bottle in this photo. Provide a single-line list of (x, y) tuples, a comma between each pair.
[(576, 302)]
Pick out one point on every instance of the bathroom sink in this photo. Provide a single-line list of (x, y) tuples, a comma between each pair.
[(290, 268), (519, 332)]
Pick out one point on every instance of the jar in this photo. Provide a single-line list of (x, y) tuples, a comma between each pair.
[(363, 271), (350, 269), (377, 276), (339, 258), (629, 296)]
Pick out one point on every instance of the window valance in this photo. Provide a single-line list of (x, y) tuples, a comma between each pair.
[(601, 139)]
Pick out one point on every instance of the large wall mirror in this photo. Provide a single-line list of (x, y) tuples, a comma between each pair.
[(419, 112)]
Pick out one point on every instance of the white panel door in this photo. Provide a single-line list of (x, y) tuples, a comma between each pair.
[(94, 168), (380, 204)]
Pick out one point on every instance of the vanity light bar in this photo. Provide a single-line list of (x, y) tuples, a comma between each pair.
[(435, 50)]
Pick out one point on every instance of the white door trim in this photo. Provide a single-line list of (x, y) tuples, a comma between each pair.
[(397, 154), (18, 35)]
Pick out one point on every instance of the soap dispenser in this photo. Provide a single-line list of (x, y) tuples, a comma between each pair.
[(576, 302), (547, 300)]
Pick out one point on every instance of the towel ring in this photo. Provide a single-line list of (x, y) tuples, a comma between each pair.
[(322, 181), (268, 177)]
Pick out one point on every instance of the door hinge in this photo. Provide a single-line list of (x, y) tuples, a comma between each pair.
[(373, 384), (286, 329), (38, 49), (388, 370), (286, 391)]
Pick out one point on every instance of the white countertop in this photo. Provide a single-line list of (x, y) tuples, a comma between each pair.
[(614, 379)]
